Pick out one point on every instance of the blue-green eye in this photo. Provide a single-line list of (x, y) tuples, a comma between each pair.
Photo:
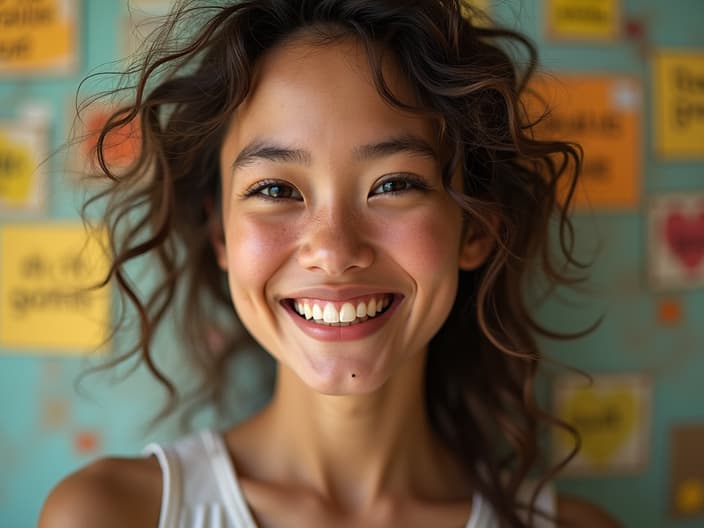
[(273, 190), (394, 186), (277, 191), (399, 184)]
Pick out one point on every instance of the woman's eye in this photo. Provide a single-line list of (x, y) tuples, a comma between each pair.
[(274, 191), (278, 191), (399, 185)]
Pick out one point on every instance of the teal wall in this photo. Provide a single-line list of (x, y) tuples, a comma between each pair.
[(34, 455)]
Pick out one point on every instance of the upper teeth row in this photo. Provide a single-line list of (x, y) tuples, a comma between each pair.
[(348, 312)]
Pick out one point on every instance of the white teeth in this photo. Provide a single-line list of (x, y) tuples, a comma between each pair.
[(330, 314), (361, 310), (347, 313)]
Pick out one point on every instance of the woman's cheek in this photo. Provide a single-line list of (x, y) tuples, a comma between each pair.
[(425, 243), (256, 248)]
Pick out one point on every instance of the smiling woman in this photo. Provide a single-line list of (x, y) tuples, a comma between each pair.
[(356, 179), (344, 199)]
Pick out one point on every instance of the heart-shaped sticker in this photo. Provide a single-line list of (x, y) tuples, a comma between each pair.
[(685, 238)]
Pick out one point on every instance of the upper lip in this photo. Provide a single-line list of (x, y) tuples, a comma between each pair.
[(340, 293)]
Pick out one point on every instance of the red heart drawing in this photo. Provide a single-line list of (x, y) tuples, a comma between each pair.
[(685, 237)]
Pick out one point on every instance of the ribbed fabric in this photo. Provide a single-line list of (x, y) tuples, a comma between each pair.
[(200, 488)]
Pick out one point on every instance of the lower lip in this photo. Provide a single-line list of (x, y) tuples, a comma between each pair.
[(342, 333)]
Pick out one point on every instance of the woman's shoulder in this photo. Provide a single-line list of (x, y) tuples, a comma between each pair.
[(108, 492), (570, 510), (577, 512)]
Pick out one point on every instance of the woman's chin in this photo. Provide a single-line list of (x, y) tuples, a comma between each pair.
[(340, 378)]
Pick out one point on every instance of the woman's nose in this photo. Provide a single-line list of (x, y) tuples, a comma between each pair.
[(335, 242)]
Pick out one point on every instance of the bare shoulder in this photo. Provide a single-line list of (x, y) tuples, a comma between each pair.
[(579, 513), (110, 492)]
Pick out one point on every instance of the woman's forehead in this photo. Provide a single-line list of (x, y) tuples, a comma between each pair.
[(303, 91)]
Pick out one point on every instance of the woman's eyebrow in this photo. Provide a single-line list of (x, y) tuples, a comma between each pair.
[(270, 151), (405, 143)]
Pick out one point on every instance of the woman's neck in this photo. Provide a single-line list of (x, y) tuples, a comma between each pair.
[(354, 449)]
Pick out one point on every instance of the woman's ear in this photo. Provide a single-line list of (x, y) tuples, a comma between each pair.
[(216, 233), (478, 243)]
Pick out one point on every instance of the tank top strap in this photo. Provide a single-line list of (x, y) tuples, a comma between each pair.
[(200, 488), (484, 516), (171, 494), (226, 478), (545, 503)]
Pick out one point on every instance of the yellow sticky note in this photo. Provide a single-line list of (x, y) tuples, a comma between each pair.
[(605, 419), (46, 302), (679, 104), (22, 151), (612, 417), (583, 19), (16, 171), (38, 35)]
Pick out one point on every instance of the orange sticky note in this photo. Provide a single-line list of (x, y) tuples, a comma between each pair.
[(121, 146), (603, 114)]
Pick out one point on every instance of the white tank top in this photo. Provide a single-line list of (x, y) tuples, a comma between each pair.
[(200, 488)]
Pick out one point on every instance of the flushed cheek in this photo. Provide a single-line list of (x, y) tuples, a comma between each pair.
[(256, 250), (426, 247), (424, 243)]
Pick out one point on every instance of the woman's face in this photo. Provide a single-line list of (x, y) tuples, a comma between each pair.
[(341, 245)]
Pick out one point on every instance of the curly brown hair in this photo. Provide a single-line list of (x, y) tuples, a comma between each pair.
[(469, 78)]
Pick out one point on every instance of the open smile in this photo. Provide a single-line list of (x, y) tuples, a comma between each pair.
[(335, 313), (351, 319)]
